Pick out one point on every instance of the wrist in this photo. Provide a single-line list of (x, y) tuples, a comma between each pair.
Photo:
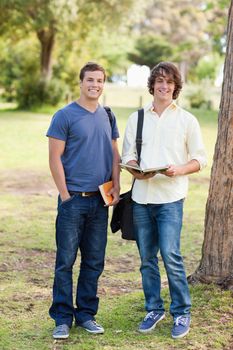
[(132, 162), (116, 187), (64, 196), (182, 170)]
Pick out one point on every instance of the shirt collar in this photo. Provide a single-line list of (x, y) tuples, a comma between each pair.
[(150, 106)]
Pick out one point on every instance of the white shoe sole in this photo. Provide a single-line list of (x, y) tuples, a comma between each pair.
[(100, 331), (60, 336), (151, 328), (93, 332), (180, 335)]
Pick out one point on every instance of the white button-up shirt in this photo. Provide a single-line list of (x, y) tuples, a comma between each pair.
[(174, 137)]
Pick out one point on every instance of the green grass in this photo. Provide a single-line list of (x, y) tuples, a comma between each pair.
[(27, 253)]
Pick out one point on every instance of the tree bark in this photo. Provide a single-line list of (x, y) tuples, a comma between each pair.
[(47, 40), (217, 252)]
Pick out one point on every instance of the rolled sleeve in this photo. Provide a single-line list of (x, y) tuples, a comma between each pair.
[(195, 144)]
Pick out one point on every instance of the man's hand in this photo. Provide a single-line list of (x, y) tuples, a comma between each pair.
[(140, 176), (65, 197), (115, 192), (137, 174), (179, 170), (173, 170)]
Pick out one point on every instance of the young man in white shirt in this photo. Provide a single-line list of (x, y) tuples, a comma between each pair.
[(171, 136)]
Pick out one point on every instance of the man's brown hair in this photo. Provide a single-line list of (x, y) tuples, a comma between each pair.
[(91, 67), (162, 69)]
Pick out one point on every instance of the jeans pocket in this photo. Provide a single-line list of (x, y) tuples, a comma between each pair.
[(67, 200)]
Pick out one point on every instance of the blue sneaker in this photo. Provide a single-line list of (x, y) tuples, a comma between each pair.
[(150, 321), (61, 332), (181, 326), (92, 327)]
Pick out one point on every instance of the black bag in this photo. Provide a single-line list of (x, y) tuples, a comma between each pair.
[(122, 216)]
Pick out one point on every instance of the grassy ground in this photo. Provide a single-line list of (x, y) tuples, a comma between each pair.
[(27, 250)]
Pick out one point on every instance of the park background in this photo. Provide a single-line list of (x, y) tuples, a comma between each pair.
[(43, 45)]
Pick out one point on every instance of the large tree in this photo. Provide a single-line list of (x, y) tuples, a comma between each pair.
[(217, 253), (45, 18), (50, 19)]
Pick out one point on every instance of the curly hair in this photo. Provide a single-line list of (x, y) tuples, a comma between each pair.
[(91, 67), (169, 69)]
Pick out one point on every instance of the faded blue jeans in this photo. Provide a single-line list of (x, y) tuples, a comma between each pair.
[(158, 227), (81, 224)]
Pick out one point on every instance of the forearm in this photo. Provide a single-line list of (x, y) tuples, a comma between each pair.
[(179, 170), (58, 174), (115, 191), (191, 167), (116, 169)]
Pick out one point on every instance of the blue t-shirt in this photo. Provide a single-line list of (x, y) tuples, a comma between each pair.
[(88, 155)]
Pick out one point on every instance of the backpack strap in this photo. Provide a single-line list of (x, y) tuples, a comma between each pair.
[(139, 138), (139, 133), (109, 112)]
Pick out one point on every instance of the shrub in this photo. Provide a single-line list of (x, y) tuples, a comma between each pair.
[(198, 100), (31, 92)]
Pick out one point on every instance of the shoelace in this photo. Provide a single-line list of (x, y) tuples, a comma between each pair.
[(61, 328), (180, 320), (149, 315), (96, 324)]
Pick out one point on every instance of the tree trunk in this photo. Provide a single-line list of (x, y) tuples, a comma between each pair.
[(47, 40), (217, 252)]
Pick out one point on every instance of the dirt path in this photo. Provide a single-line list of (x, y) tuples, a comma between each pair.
[(24, 182)]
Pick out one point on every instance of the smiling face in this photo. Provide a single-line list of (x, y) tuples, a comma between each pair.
[(164, 87), (91, 87), (168, 73)]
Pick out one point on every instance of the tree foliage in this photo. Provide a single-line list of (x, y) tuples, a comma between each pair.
[(150, 50), (63, 28), (208, 67), (44, 18), (216, 12), (49, 18), (64, 34), (186, 26), (181, 23)]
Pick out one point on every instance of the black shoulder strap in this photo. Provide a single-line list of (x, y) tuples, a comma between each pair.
[(108, 110), (139, 137), (139, 133)]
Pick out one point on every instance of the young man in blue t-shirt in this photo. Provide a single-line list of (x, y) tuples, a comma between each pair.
[(83, 154)]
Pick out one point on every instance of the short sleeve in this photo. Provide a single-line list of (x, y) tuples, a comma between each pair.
[(115, 131), (59, 126)]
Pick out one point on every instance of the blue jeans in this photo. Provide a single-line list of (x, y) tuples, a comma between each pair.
[(158, 227), (81, 224)]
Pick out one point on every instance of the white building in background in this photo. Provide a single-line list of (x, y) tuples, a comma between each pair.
[(137, 76)]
